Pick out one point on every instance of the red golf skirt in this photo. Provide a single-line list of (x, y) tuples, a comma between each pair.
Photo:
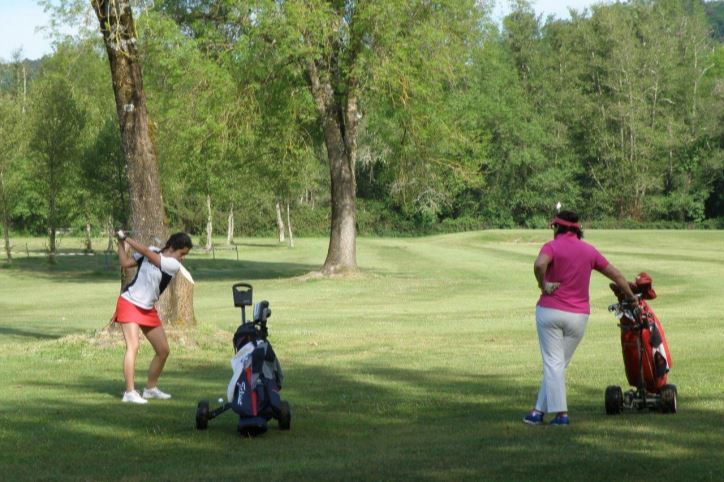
[(127, 312)]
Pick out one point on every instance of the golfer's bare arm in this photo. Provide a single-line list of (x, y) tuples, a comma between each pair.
[(539, 268), (123, 259), (612, 273), (141, 248)]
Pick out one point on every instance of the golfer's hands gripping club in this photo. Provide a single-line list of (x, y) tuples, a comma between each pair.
[(121, 235), (549, 288)]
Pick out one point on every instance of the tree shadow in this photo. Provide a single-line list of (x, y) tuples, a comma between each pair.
[(75, 268), (373, 421), (93, 269), (8, 331), (226, 270), (270, 244)]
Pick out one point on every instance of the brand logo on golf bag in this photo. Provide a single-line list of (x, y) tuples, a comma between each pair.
[(242, 389)]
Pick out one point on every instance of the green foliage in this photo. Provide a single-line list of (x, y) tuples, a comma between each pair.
[(715, 14), (103, 170), (11, 151), (56, 126), (618, 113), (528, 164), (637, 72), (413, 131)]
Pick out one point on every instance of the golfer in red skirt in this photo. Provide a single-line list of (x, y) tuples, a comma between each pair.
[(135, 310)]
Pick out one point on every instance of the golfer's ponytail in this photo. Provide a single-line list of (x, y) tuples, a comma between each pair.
[(178, 241)]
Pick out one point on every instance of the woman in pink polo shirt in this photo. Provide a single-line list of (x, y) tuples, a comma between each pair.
[(563, 271)]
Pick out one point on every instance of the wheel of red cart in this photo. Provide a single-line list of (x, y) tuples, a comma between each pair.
[(668, 399), (614, 400)]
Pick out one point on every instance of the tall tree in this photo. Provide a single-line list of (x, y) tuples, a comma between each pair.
[(643, 66), (148, 217), (104, 174), (12, 112), (197, 124), (525, 165), (96, 184), (57, 125), (338, 48), (714, 174), (11, 148)]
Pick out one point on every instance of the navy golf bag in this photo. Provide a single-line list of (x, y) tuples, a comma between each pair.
[(253, 392), (257, 378)]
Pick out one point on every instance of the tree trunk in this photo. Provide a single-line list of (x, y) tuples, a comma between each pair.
[(148, 217), (340, 140), (109, 227), (230, 227), (280, 223), (6, 236), (4, 210), (209, 225), (342, 250), (289, 226), (88, 240), (52, 227), (52, 232)]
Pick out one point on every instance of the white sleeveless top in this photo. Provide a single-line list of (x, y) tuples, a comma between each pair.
[(150, 281)]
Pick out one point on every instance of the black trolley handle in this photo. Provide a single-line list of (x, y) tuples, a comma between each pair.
[(242, 293)]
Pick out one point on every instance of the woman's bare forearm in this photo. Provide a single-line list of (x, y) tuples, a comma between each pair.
[(123, 259), (141, 248)]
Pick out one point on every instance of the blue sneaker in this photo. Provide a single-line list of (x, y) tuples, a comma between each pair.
[(533, 418), (560, 420)]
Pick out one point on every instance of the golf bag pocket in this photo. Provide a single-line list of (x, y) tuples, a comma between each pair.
[(254, 393), (246, 399)]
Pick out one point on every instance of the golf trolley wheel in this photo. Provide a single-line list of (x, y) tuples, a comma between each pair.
[(202, 415), (285, 416), (614, 400), (668, 399)]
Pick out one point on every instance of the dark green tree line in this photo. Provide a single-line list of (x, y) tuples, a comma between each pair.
[(425, 115)]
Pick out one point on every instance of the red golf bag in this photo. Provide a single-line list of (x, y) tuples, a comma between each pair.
[(646, 355), (644, 338)]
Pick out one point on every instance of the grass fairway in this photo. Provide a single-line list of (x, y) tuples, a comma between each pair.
[(421, 367)]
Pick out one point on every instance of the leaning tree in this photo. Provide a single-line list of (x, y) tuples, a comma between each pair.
[(148, 216)]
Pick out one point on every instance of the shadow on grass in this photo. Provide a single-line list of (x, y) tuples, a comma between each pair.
[(270, 244), (8, 331), (232, 270), (92, 269), (374, 422), (76, 268)]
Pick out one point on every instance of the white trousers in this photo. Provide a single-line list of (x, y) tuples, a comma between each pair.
[(559, 333)]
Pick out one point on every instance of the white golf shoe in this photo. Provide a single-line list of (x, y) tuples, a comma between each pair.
[(134, 397), (155, 393)]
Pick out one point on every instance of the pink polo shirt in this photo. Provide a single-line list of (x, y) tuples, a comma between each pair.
[(571, 266)]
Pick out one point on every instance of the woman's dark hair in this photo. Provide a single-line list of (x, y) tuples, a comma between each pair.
[(569, 216), (178, 241)]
